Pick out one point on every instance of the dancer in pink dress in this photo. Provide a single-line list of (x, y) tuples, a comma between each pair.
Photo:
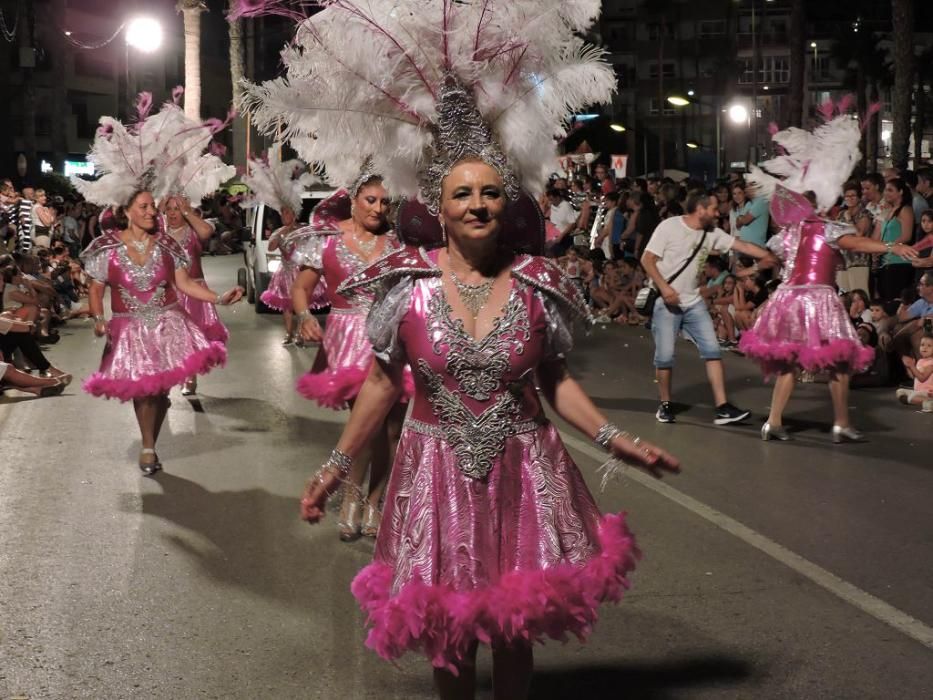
[(346, 234), (804, 324), (152, 343), (489, 533), (280, 186), (190, 231)]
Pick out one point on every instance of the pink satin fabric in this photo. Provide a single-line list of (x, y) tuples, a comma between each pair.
[(152, 344), (203, 313), (804, 324), (343, 361), (519, 554)]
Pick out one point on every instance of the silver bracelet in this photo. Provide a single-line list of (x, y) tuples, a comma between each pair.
[(219, 301), (339, 461), (304, 315), (100, 319), (607, 433)]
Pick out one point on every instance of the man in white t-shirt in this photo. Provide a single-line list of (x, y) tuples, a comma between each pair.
[(681, 306), (564, 218)]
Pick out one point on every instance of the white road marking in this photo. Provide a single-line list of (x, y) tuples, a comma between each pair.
[(866, 602)]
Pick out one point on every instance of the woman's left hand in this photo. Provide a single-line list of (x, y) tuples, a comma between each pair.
[(646, 456), (904, 251), (232, 296)]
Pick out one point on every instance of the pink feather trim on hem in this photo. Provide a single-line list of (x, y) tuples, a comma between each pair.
[(274, 301), (335, 388), (200, 362), (841, 354), (523, 606)]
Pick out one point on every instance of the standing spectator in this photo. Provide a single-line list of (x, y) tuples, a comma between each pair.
[(724, 219), (564, 219), (605, 240), (918, 202), (44, 219), (925, 186), (644, 220), (19, 216), (749, 217), (924, 245), (680, 306), (872, 195), (856, 274), (896, 272), (70, 230), (605, 183)]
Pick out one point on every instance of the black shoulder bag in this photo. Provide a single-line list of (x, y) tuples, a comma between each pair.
[(647, 296)]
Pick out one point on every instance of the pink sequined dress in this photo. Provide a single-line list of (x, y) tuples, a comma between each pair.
[(343, 361), (152, 343), (489, 532), (204, 313), (278, 294), (804, 324)]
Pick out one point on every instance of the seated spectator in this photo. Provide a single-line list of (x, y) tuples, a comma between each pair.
[(858, 306), (575, 266), (911, 319), (715, 273), (921, 371), (883, 321), (879, 373), (12, 378), (924, 244), (749, 295), (16, 336), (722, 305)]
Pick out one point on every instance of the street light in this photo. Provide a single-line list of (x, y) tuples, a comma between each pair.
[(693, 144), (678, 100), (144, 34), (738, 114), (617, 127), (681, 101)]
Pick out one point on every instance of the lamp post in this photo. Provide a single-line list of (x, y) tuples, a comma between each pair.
[(681, 101)]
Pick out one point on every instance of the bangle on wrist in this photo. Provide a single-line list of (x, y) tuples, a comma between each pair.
[(607, 433), (99, 318), (889, 246), (219, 300)]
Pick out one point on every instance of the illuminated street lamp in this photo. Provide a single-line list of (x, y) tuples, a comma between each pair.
[(144, 34), (738, 114), (617, 127), (692, 144), (678, 100)]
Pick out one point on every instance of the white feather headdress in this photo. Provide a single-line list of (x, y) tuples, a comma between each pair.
[(163, 153), (416, 84), (278, 184), (819, 161)]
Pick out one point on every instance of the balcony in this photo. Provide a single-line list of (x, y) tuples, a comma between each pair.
[(766, 40)]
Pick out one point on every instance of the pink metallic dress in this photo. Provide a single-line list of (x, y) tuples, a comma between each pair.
[(804, 324), (278, 294), (152, 343), (489, 532), (204, 313), (345, 356)]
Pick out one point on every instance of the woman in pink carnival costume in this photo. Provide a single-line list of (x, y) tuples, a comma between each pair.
[(489, 532), (280, 185), (152, 343), (804, 325), (348, 232)]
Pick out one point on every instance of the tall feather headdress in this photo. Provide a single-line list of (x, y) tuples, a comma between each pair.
[(278, 184), (164, 153), (819, 161), (415, 85)]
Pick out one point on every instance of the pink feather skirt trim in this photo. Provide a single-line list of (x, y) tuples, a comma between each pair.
[(522, 606), (805, 327)]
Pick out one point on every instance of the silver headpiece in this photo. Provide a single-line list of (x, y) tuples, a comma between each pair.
[(461, 133), (367, 173)]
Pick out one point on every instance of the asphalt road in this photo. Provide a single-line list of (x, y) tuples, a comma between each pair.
[(770, 570)]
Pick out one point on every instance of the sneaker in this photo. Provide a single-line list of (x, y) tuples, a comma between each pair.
[(903, 395), (665, 413), (927, 406), (727, 413)]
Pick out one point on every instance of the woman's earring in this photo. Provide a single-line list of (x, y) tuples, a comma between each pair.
[(352, 208), (443, 231)]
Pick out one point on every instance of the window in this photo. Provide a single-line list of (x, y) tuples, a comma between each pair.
[(712, 27), (667, 109), (773, 69), (657, 30), (667, 70)]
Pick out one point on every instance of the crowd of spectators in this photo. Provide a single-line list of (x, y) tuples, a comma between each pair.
[(43, 284), (598, 229)]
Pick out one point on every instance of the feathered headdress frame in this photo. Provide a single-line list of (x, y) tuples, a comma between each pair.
[(819, 161), (278, 183), (417, 85), (163, 153)]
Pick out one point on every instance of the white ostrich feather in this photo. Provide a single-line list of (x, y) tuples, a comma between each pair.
[(820, 161), (278, 184), (164, 153), (363, 79)]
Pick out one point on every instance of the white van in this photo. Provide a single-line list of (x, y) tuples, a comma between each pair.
[(262, 221)]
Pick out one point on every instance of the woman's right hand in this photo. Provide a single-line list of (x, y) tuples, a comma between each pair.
[(316, 493), (100, 329), (311, 330)]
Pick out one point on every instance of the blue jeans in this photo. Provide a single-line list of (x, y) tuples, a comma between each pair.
[(667, 323)]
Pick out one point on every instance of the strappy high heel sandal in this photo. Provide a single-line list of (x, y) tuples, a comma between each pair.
[(149, 468), (190, 388), (351, 515), (372, 518)]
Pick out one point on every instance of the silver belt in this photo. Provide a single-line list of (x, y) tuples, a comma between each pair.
[(437, 431), (349, 312), (147, 313)]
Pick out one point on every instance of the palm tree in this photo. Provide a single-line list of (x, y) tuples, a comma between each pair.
[(924, 71), (902, 21), (191, 10), (237, 73), (797, 59)]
